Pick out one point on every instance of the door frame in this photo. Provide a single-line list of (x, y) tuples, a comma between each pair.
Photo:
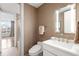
[(21, 35)]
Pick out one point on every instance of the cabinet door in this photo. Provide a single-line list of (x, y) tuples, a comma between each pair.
[(47, 53)]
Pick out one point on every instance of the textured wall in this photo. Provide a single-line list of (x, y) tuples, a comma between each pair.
[(46, 17), (30, 27)]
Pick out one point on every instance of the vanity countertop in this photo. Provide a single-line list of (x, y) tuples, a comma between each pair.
[(68, 47)]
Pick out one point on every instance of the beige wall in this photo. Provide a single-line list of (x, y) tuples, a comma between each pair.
[(77, 7), (46, 17), (77, 29), (30, 27)]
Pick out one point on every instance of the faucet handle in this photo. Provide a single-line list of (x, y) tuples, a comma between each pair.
[(58, 39), (66, 40), (62, 34)]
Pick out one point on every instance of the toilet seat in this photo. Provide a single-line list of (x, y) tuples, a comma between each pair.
[(35, 50)]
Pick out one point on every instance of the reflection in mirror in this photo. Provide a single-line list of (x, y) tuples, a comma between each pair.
[(70, 21), (66, 19)]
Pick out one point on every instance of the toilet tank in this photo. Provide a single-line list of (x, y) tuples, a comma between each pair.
[(39, 43)]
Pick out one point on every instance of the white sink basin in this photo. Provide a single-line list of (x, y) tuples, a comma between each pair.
[(68, 47), (60, 44)]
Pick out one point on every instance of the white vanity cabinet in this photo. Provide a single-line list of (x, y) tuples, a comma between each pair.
[(50, 50), (47, 53)]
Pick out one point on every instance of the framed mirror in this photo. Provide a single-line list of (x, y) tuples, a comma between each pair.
[(66, 19)]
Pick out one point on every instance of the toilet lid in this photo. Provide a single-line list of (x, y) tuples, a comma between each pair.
[(35, 49)]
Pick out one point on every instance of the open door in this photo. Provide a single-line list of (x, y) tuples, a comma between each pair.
[(8, 40)]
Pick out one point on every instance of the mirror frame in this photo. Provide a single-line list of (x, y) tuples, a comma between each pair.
[(66, 8)]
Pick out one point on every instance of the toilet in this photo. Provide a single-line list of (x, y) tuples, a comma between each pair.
[(36, 50)]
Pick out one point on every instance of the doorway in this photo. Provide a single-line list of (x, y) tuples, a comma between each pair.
[(8, 33)]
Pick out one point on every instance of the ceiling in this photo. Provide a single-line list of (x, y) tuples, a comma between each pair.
[(36, 5), (10, 7)]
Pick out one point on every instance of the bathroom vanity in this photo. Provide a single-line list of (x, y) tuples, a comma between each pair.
[(54, 47)]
